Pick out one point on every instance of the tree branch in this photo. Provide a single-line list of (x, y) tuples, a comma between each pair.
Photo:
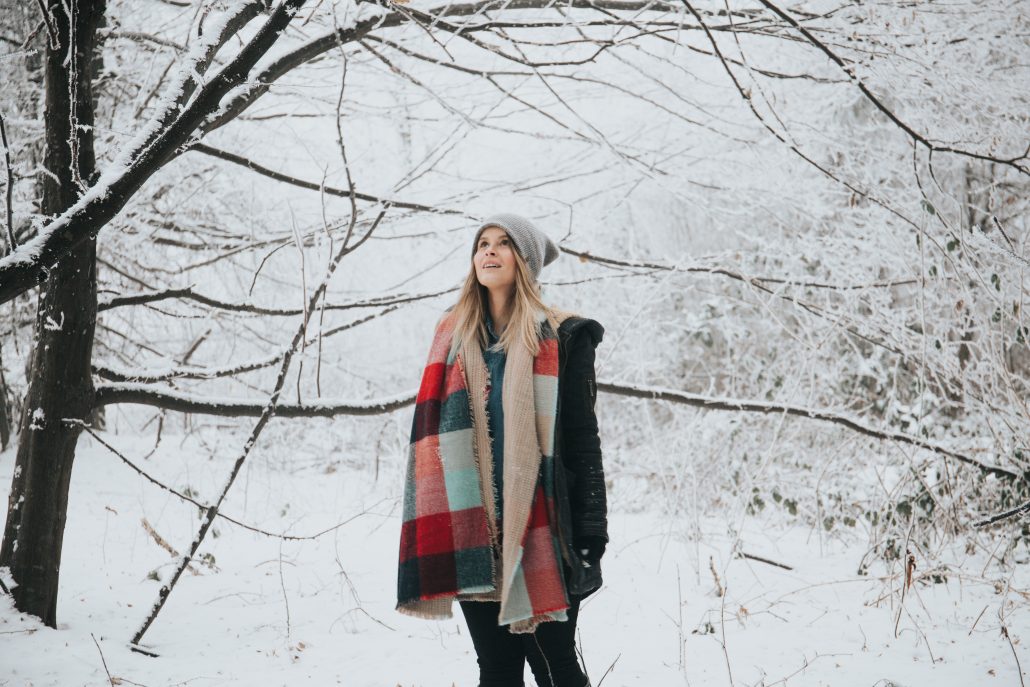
[(641, 264), (189, 294), (311, 186), (194, 372), (133, 393), (432, 18), (180, 125), (153, 480), (142, 394), (912, 133), (1011, 513), (798, 411), (754, 282), (30, 264)]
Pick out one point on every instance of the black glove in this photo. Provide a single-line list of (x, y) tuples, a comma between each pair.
[(590, 549)]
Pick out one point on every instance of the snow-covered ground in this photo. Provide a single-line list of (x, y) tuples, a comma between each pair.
[(261, 611)]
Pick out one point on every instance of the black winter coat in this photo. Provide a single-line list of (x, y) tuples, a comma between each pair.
[(580, 495)]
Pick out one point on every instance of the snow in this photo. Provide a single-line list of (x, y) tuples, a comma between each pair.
[(53, 325), (29, 252), (265, 612)]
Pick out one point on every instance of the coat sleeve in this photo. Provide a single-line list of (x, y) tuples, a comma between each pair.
[(581, 444)]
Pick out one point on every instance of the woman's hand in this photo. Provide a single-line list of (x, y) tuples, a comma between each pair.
[(590, 549)]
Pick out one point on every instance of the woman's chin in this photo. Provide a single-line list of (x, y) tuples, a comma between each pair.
[(494, 281)]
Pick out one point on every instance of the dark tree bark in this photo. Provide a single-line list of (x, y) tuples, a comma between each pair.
[(5, 406), (60, 386)]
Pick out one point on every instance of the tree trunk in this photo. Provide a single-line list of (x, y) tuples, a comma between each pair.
[(60, 386)]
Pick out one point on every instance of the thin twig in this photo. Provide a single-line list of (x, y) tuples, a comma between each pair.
[(103, 660), (744, 554), (158, 539), (286, 598), (904, 582), (311, 186), (205, 507), (722, 630), (719, 591), (188, 294), (970, 633), (141, 650), (1019, 668), (609, 670), (679, 622)]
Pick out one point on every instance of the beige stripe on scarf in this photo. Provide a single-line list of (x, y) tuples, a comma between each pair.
[(521, 449)]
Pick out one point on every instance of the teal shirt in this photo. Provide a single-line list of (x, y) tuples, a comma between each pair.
[(495, 360)]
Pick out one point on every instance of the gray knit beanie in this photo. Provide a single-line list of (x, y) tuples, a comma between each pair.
[(535, 247)]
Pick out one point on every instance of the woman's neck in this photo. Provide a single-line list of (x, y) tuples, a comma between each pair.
[(500, 310)]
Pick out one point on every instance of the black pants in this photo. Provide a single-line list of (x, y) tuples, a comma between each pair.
[(551, 650)]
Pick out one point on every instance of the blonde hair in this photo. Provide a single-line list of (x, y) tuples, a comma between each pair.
[(523, 326)]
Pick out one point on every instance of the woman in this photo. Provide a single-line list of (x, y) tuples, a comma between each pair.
[(504, 505)]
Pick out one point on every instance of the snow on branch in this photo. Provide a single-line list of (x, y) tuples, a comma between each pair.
[(199, 103), (739, 405), (143, 394), (1018, 163), (1023, 509), (29, 265), (432, 19)]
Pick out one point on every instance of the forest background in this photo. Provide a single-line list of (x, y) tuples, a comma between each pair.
[(230, 227)]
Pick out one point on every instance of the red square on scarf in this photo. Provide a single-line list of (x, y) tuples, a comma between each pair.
[(432, 379), (434, 534), (546, 362), (538, 513), (469, 528)]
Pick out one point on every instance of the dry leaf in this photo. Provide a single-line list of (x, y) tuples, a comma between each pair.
[(910, 567)]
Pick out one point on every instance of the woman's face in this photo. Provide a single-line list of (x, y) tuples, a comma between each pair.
[(494, 260)]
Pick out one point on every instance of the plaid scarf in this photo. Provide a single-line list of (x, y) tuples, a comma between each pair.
[(449, 537)]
